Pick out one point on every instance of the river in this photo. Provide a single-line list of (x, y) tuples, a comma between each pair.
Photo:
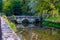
[(35, 32)]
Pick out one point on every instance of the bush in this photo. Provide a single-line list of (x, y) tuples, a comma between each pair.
[(13, 26)]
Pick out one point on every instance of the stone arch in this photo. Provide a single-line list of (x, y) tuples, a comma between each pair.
[(25, 19), (25, 22)]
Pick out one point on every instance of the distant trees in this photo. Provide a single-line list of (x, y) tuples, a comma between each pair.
[(25, 8), (50, 7), (31, 7), (16, 7), (12, 7)]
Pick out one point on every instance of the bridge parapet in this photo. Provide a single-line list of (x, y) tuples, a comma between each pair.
[(19, 19)]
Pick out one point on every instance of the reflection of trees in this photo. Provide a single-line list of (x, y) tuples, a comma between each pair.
[(38, 34)]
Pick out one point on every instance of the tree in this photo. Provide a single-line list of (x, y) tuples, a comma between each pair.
[(31, 7), (7, 8), (12, 7), (41, 7), (32, 4), (57, 5), (17, 8), (25, 8), (50, 7)]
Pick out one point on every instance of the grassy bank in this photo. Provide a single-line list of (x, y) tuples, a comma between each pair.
[(12, 25), (51, 24)]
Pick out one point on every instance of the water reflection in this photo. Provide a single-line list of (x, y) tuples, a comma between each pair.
[(34, 32), (28, 26)]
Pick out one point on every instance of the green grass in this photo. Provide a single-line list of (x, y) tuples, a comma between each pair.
[(51, 24), (55, 18), (12, 25)]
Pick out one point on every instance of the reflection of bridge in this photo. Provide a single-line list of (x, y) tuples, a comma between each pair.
[(19, 19)]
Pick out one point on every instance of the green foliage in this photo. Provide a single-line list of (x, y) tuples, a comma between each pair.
[(50, 5), (12, 25), (32, 7), (16, 7), (12, 7), (25, 8), (41, 7), (51, 24), (7, 8)]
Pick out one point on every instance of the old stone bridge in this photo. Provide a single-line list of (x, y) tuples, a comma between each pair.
[(19, 19)]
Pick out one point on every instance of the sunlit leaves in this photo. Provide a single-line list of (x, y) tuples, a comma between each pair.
[(7, 6), (47, 5), (56, 11), (42, 6), (52, 6)]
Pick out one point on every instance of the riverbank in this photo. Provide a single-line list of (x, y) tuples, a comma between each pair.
[(51, 24), (7, 31)]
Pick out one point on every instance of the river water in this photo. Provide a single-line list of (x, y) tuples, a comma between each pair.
[(35, 32)]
